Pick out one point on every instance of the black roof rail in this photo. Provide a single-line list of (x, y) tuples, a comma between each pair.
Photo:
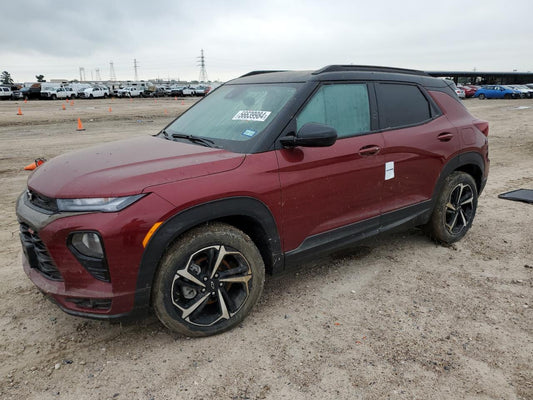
[(368, 68), (261, 72)]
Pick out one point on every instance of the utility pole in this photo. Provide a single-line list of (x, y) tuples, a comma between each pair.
[(201, 63), (135, 66), (112, 76)]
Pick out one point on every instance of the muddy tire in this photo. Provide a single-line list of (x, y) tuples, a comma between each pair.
[(208, 281), (454, 210)]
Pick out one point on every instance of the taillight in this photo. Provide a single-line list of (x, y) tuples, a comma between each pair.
[(483, 126)]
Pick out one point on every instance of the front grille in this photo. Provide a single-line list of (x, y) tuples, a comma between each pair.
[(37, 254), (40, 201)]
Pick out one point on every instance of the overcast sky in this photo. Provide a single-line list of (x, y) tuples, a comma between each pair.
[(57, 37)]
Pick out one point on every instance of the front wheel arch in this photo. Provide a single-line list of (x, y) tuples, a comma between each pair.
[(248, 214)]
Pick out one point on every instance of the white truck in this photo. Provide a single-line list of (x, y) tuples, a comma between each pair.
[(130, 91), (54, 92), (94, 92)]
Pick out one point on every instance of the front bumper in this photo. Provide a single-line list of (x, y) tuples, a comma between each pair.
[(73, 287)]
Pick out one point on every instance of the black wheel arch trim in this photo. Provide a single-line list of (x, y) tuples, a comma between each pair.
[(462, 162), (240, 208)]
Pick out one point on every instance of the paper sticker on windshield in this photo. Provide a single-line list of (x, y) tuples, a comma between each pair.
[(249, 133), (251, 115)]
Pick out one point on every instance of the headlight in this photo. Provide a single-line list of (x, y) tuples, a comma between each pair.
[(104, 204)]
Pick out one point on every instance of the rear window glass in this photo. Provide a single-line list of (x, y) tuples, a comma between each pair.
[(402, 105)]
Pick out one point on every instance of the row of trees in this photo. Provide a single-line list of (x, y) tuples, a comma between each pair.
[(6, 79)]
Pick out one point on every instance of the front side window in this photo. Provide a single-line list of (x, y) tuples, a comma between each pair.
[(234, 112), (402, 105), (344, 107)]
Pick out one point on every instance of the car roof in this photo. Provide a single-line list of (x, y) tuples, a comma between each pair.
[(340, 73)]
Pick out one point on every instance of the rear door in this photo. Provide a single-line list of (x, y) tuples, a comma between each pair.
[(327, 188), (418, 141)]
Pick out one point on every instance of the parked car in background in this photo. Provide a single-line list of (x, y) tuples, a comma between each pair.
[(182, 91), (470, 91), (5, 93), (94, 92), (523, 89), (154, 92), (130, 91), (496, 92), (268, 171), (459, 92), (71, 93), (201, 90), (53, 93), (31, 91)]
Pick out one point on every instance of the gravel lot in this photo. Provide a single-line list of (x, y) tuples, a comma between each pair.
[(398, 317)]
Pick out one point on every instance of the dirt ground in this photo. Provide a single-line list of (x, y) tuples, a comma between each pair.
[(399, 317)]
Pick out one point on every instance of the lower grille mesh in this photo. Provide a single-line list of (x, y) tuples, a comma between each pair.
[(37, 254)]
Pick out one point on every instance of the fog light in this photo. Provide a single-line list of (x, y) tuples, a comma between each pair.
[(88, 244)]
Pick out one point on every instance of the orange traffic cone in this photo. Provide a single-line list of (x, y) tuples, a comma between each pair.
[(175, 97), (109, 109), (25, 100), (35, 164), (19, 112), (166, 112), (63, 106), (71, 102), (80, 125)]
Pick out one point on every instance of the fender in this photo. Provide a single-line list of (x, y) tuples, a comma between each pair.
[(458, 163), (173, 227)]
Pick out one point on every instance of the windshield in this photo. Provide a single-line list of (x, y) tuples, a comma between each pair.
[(234, 112)]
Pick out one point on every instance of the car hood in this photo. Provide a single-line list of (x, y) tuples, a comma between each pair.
[(128, 167)]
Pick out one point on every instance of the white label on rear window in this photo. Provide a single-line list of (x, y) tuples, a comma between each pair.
[(251, 115)]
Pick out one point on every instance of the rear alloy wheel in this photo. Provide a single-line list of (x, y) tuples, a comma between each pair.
[(208, 281), (455, 208), (481, 96)]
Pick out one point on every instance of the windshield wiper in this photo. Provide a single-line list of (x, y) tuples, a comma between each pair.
[(192, 138)]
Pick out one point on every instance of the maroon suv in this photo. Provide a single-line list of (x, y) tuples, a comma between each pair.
[(268, 170)]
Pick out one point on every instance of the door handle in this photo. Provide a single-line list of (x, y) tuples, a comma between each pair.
[(370, 150), (445, 136)]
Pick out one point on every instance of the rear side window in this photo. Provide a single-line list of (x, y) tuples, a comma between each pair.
[(402, 105), (344, 107)]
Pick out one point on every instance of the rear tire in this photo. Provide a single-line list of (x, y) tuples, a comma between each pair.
[(208, 281), (455, 208), (482, 96)]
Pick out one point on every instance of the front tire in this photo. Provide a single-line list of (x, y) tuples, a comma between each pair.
[(208, 281), (481, 96), (455, 208)]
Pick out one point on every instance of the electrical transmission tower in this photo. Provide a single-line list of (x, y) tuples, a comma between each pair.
[(97, 74), (112, 76), (135, 67), (201, 64), (82, 74)]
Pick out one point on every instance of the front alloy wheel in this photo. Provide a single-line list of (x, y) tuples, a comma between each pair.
[(208, 281)]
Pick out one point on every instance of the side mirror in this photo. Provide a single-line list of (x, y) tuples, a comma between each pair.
[(311, 135)]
